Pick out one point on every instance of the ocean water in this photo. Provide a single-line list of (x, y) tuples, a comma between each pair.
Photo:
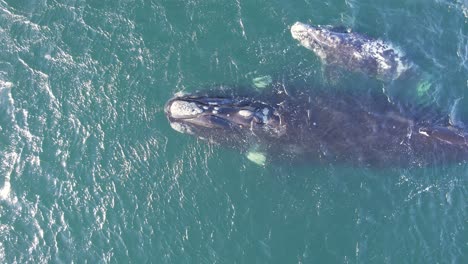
[(91, 171)]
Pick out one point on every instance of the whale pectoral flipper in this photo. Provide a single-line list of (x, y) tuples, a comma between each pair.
[(261, 82), (256, 157)]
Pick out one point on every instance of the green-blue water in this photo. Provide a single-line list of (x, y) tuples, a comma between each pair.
[(90, 170)]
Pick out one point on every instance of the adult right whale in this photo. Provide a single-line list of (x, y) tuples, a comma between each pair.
[(320, 127), (352, 51)]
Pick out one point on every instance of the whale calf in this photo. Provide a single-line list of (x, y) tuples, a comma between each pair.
[(319, 128), (352, 51)]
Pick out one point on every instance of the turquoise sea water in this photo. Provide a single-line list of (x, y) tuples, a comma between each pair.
[(91, 172)]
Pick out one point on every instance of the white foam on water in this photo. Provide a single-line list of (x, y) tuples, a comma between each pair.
[(9, 159), (180, 94), (21, 149), (28, 107), (8, 163), (19, 18), (17, 131), (2, 253), (239, 8), (43, 79), (462, 49)]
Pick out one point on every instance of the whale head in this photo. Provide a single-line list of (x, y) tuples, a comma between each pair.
[(321, 41), (221, 119)]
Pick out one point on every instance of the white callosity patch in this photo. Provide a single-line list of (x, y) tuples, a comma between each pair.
[(245, 113), (386, 57), (299, 32), (376, 49), (184, 109), (307, 35)]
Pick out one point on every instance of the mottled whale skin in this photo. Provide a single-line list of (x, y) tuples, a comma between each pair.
[(319, 128), (352, 51)]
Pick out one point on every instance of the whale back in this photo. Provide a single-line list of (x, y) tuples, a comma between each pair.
[(366, 131)]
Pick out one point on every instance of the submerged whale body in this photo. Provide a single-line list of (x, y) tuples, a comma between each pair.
[(352, 51), (320, 128)]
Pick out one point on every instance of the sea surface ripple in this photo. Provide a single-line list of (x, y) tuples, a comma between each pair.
[(90, 171)]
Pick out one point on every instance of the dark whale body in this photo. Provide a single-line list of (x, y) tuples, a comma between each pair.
[(320, 128)]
